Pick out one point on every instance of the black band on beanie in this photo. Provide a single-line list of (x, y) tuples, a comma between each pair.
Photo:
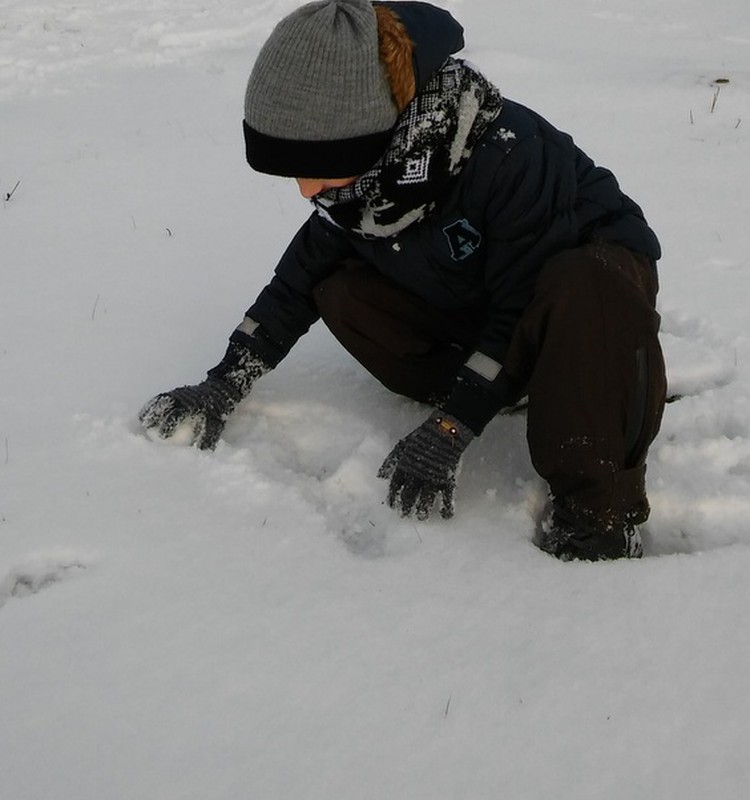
[(342, 158)]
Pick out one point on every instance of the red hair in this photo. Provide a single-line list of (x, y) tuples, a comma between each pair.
[(396, 50)]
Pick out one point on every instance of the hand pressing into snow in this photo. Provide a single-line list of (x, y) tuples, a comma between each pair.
[(423, 466), (190, 415), (195, 415)]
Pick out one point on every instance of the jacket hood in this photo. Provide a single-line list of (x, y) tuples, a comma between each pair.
[(435, 33)]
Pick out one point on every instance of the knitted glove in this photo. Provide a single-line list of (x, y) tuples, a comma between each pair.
[(423, 465), (196, 414)]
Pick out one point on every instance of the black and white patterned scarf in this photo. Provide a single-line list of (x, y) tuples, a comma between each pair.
[(433, 139)]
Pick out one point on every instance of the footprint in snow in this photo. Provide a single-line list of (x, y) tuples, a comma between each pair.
[(699, 465), (697, 355), (36, 575)]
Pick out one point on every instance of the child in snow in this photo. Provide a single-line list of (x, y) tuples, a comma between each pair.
[(465, 252)]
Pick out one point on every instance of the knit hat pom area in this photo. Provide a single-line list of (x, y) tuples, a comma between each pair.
[(318, 103)]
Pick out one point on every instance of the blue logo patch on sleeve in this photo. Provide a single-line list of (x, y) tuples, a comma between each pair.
[(463, 239)]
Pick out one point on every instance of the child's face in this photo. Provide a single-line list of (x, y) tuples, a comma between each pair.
[(309, 187)]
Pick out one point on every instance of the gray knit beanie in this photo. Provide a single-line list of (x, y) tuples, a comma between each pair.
[(318, 103)]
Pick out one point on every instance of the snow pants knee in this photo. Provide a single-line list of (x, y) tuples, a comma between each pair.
[(411, 347), (586, 350)]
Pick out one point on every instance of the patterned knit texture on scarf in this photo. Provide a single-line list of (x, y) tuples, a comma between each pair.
[(432, 141)]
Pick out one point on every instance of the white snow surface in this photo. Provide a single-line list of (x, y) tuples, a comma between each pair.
[(254, 622)]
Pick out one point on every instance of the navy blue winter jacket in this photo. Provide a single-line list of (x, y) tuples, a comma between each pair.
[(526, 193)]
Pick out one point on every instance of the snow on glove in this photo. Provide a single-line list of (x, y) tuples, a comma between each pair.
[(423, 465), (190, 414), (196, 415)]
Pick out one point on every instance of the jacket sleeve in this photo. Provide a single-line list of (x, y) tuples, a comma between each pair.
[(530, 217), (285, 308)]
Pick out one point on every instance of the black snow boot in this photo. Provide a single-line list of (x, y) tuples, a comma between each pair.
[(572, 539)]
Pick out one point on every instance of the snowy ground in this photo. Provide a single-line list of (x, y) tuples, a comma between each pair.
[(253, 622)]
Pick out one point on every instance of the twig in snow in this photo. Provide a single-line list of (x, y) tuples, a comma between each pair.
[(12, 191), (718, 83), (448, 706), (93, 310), (715, 99)]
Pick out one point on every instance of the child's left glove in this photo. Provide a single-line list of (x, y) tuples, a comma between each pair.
[(423, 465)]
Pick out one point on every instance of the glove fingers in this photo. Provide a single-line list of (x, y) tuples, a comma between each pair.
[(394, 490), (190, 415), (447, 506), (161, 415), (388, 467), (426, 502), (423, 465), (209, 433), (153, 412), (409, 495)]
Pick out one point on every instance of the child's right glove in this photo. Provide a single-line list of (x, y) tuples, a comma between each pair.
[(195, 415)]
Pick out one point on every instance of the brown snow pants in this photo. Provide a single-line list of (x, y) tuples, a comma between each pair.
[(586, 350)]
